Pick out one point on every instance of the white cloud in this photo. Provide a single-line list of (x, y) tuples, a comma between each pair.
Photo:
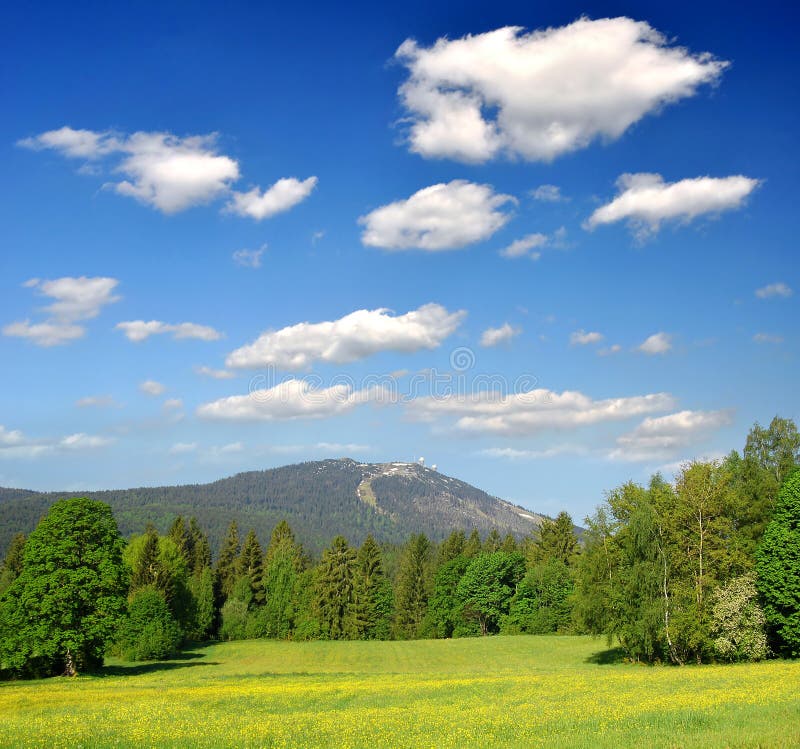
[(645, 200), (531, 245), (75, 144), (10, 438), (355, 336), (767, 338), (249, 258), (439, 217), (513, 453), (14, 444), (182, 448), (81, 441), (96, 401), (545, 93), (284, 194), (172, 404), (151, 387), (139, 330), (548, 194), (169, 172), (288, 400), (582, 338), (658, 343), (609, 350), (75, 300), (329, 448), (522, 247), (662, 437), (163, 170), (535, 411), (496, 336), (774, 289), (216, 374), (172, 173), (45, 333)]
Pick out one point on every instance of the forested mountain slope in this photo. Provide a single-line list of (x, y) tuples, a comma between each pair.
[(318, 499)]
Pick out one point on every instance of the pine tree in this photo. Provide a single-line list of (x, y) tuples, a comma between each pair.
[(493, 542), (199, 547), (451, 547), (282, 567), (411, 596), (556, 540), (372, 594), (179, 533), (226, 562), (250, 565), (335, 592), (473, 546), (147, 568), (282, 537), (509, 544)]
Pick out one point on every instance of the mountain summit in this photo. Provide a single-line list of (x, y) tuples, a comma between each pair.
[(319, 500)]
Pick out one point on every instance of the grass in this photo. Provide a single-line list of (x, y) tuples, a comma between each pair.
[(487, 692)]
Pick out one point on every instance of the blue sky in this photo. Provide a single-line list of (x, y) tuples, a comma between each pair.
[(547, 259)]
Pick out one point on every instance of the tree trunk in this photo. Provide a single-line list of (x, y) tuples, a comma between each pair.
[(69, 665)]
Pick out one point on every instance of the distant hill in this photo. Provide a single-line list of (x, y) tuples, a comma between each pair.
[(318, 499)]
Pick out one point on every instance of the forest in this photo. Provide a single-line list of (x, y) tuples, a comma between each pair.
[(705, 568)]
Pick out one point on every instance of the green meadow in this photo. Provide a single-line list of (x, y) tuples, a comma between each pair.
[(488, 692)]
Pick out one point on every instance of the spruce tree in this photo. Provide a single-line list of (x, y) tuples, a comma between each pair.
[(451, 547), (179, 533), (556, 540), (250, 565), (227, 560), (473, 546), (493, 542), (411, 597), (282, 567), (200, 548), (372, 594), (147, 568), (335, 590), (509, 544)]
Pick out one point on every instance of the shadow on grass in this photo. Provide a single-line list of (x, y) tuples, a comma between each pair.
[(184, 660), (608, 657)]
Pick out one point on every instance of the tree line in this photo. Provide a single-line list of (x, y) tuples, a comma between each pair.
[(705, 568)]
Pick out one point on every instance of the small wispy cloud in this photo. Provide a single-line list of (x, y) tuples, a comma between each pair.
[(658, 343), (584, 338), (771, 290), (249, 258), (548, 194), (767, 338), (495, 336)]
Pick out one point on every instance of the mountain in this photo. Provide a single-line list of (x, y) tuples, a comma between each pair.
[(318, 499)]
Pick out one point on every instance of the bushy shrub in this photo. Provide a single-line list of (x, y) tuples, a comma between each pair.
[(149, 632), (738, 622)]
